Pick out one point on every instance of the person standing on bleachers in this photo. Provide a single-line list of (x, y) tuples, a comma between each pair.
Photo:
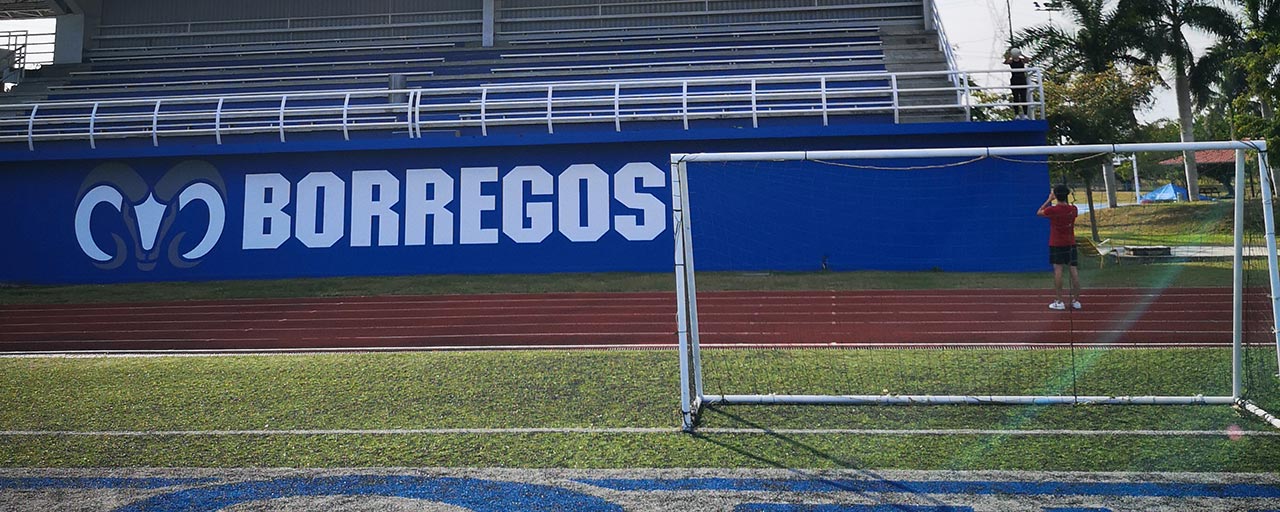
[(1017, 62)]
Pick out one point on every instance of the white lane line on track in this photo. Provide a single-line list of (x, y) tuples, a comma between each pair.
[(636, 346), (919, 309), (763, 312), (639, 430), (656, 328)]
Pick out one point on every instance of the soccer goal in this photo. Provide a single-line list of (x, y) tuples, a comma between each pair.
[(921, 277)]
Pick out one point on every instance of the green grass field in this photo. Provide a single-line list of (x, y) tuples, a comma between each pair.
[(1182, 223), (638, 389), (592, 389)]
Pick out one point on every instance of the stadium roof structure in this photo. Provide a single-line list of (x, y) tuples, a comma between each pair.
[(30, 9), (1207, 156)]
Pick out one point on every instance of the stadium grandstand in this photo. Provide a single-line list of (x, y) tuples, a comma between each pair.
[(251, 98)]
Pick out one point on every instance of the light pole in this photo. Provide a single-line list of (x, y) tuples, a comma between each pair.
[(1009, 11)]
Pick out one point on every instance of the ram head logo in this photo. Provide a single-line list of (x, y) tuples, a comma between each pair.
[(149, 214)]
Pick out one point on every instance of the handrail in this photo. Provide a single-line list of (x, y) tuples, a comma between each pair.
[(686, 100), (944, 44), (822, 90), (893, 85), (16, 41), (217, 121)]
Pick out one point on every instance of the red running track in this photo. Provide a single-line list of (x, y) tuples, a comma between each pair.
[(1000, 318)]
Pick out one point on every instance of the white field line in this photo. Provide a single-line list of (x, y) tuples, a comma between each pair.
[(639, 430)]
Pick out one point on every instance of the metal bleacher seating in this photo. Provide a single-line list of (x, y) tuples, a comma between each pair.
[(192, 81), (206, 79), (287, 70)]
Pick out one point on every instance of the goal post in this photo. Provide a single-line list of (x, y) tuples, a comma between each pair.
[(693, 396)]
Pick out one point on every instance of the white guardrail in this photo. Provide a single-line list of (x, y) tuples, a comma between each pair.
[(413, 111), (944, 44)]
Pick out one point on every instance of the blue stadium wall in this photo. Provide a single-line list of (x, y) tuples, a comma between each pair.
[(581, 201)]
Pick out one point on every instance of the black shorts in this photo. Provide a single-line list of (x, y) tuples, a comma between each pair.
[(1066, 255)]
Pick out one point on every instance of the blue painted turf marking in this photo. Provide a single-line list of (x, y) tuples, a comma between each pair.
[(1138, 489), (97, 483), (1077, 509), (769, 507), (469, 493)]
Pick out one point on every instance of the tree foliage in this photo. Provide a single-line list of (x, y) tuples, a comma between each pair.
[(1103, 38), (1088, 108), (1254, 111)]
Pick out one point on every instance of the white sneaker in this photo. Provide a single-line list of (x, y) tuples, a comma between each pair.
[(1057, 305), (1075, 304)]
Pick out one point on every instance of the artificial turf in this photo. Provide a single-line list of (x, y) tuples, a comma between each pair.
[(612, 390)]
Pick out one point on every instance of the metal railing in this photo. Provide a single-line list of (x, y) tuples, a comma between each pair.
[(480, 108), (945, 45), (14, 62)]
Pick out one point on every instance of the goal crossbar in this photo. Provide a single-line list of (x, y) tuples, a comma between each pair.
[(692, 397)]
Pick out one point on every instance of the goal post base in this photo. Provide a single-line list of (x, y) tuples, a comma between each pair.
[(962, 399), (690, 419), (1250, 407)]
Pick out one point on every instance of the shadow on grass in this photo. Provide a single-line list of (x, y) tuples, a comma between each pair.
[(837, 461)]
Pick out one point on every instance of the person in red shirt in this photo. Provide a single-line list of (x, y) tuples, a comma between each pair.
[(1062, 244)]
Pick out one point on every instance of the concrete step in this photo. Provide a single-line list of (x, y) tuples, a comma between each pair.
[(910, 100), (931, 80), (912, 49), (938, 64), (915, 66), (929, 117)]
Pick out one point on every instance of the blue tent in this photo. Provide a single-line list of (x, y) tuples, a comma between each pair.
[(1169, 192)]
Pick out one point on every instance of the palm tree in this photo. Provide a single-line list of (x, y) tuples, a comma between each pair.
[(1217, 79), (1104, 38), (1165, 22), (1260, 26)]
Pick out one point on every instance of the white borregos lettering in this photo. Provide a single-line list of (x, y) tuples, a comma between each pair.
[(526, 205)]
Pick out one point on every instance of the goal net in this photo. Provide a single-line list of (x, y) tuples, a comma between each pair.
[(923, 276)]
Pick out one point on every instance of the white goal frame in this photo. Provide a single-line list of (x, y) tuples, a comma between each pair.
[(692, 397)]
